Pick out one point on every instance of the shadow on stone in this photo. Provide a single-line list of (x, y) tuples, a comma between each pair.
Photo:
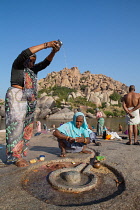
[(51, 150)]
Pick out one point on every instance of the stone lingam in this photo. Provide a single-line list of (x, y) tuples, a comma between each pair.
[(76, 180)]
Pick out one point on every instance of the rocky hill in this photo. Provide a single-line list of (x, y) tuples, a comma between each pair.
[(95, 87)]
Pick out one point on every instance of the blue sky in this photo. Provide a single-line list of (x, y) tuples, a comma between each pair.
[(102, 36)]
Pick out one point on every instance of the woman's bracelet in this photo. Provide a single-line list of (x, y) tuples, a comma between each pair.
[(67, 138), (85, 140), (45, 45)]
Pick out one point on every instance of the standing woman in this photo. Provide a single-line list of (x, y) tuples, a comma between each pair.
[(21, 99), (100, 122)]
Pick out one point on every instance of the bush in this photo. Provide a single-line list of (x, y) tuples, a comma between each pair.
[(42, 91), (119, 104), (83, 78), (116, 113), (83, 87), (108, 113), (61, 92), (123, 113), (92, 111), (103, 105), (115, 96), (58, 103), (81, 101)]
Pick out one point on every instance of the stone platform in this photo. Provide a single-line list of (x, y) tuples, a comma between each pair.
[(124, 158)]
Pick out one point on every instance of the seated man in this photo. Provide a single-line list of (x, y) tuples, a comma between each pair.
[(73, 136)]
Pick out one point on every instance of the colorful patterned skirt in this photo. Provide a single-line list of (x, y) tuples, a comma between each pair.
[(19, 111)]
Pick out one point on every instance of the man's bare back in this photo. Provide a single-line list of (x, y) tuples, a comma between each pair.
[(132, 99)]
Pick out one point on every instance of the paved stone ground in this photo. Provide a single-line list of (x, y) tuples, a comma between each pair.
[(124, 158)]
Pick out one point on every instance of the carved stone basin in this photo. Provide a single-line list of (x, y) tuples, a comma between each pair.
[(78, 179)]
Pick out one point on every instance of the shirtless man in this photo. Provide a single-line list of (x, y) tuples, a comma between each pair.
[(131, 105)]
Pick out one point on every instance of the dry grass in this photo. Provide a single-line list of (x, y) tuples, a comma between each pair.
[(102, 169)]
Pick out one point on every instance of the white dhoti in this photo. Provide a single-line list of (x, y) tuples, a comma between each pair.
[(135, 120)]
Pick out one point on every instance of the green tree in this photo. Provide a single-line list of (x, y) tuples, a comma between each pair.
[(115, 96)]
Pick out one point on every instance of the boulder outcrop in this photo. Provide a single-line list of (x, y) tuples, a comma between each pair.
[(96, 88)]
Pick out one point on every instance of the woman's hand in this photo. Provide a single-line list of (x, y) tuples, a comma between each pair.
[(71, 140), (54, 44), (80, 139), (83, 140), (51, 44)]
